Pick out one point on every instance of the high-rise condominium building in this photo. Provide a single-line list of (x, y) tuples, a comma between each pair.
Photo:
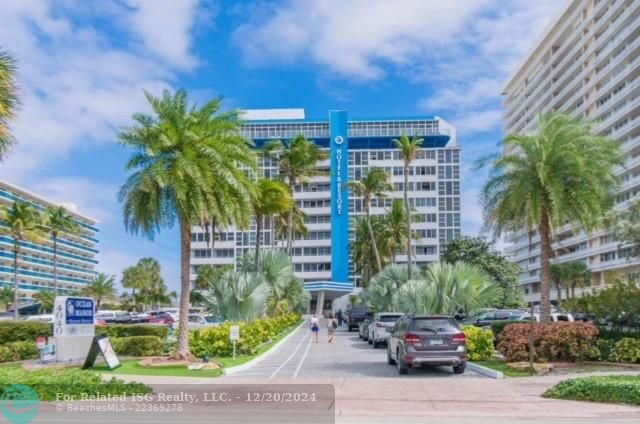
[(76, 254), (355, 146), (586, 63)]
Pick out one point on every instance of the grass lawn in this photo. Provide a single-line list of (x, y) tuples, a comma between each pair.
[(624, 389), (502, 367)]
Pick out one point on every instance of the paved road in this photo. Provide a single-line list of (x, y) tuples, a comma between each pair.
[(349, 357)]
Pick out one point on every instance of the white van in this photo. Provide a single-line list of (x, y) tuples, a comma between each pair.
[(555, 317)]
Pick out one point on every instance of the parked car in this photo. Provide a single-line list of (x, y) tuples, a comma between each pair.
[(426, 340), (174, 312), (555, 317), (159, 317), (138, 317), (487, 318), (363, 329), (357, 315), (114, 317), (198, 321), (380, 327), (42, 318)]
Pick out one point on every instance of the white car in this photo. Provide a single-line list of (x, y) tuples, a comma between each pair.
[(380, 327), (555, 317), (198, 321), (41, 318)]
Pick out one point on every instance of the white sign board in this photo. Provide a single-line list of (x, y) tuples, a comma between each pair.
[(73, 316), (108, 353), (234, 332)]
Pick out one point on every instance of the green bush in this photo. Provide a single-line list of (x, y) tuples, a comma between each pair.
[(23, 331), (558, 341), (48, 382), (479, 343), (611, 389), (498, 326), (214, 341), (19, 351), (626, 350), (137, 345), (602, 350), (615, 334), (123, 330)]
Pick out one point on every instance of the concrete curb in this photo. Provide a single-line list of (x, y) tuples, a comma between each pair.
[(484, 371), (258, 359)]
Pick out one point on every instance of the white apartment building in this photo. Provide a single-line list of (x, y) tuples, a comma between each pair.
[(587, 63)]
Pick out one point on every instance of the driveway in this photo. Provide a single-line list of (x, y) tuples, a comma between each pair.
[(348, 357)]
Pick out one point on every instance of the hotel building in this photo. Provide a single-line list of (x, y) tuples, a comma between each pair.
[(587, 63), (322, 258), (76, 253)]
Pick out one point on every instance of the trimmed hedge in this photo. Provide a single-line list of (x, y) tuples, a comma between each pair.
[(610, 389), (23, 331), (479, 343), (131, 330), (214, 341), (558, 341), (498, 326), (137, 345), (19, 351)]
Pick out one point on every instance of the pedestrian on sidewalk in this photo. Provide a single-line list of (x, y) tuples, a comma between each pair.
[(332, 324), (315, 327), (340, 317)]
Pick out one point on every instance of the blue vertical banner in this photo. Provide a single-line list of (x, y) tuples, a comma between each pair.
[(339, 196)]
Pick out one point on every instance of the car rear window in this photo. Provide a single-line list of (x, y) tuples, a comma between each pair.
[(389, 318), (434, 324), (359, 311)]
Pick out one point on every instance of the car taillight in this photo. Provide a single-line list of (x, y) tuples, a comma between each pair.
[(380, 325), (458, 338), (412, 339)]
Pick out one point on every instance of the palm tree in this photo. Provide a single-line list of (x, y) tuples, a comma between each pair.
[(362, 248), (271, 198), (396, 227), (409, 149), (100, 288), (558, 274), (383, 286), (563, 173), (146, 277), (239, 296), (46, 298), (6, 297), (8, 100), (58, 221), (281, 224), (298, 159), (190, 165), (579, 276), (374, 185), (22, 222)]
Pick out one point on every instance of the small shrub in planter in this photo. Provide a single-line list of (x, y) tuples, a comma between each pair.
[(626, 350), (479, 343), (137, 345)]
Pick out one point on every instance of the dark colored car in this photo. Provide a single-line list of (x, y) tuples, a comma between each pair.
[(159, 317), (487, 318), (357, 315), (427, 340)]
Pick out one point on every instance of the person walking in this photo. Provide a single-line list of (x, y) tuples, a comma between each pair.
[(315, 327), (332, 324), (340, 317)]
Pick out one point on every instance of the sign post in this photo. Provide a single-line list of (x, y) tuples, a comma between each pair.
[(234, 335)]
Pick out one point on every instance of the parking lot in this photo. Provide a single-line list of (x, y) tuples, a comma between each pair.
[(347, 357)]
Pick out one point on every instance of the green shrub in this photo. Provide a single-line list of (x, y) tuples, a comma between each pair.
[(19, 351), (23, 331), (615, 334), (479, 343), (602, 350), (137, 345), (626, 350), (558, 341), (611, 389), (214, 341), (124, 330), (48, 382), (498, 326)]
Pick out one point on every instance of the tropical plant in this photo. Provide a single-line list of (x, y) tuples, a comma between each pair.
[(374, 185), (271, 198), (239, 296), (362, 248), (145, 277), (379, 293), (6, 297), (624, 223), (409, 149), (558, 277), (395, 228), (8, 100), (570, 275), (446, 289), (197, 298), (22, 222), (281, 224), (189, 165), (477, 251), (100, 288), (297, 161), (59, 222), (563, 173), (46, 298)]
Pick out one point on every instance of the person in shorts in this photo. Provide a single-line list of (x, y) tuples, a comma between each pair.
[(315, 327), (331, 328)]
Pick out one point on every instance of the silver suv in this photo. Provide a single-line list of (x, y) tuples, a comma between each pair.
[(380, 327), (418, 340)]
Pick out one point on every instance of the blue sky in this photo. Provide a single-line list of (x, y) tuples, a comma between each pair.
[(83, 66)]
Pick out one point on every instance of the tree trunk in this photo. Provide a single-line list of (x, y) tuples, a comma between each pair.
[(558, 292), (566, 290), (545, 274), (292, 184), (16, 297), (258, 236), (372, 236), (573, 290), (406, 205), (55, 263), (182, 351)]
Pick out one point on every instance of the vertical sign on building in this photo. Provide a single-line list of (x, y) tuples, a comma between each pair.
[(339, 196)]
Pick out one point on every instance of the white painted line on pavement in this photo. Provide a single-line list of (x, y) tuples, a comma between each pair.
[(304, 356), (290, 356)]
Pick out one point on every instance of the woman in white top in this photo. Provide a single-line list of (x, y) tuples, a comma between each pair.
[(315, 327)]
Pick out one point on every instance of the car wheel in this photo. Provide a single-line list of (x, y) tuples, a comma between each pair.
[(459, 369), (375, 344), (402, 368), (390, 360), (369, 340)]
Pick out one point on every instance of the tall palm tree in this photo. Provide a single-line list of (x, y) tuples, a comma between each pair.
[(396, 227), (100, 288), (563, 173), (46, 298), (558, 275), (271, 198), (6, 297), (362, 248), (190, 165), (146, 277), (374, 185), (8, 100), (22, 222), (298, 160), (579, 276), (409, 149), (59, 221), (281, 224), (239, 296)]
